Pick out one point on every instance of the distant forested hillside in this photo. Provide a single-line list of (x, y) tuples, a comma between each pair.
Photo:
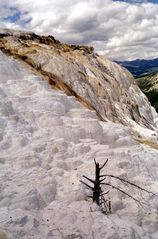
[(139, 67), (149, 85)]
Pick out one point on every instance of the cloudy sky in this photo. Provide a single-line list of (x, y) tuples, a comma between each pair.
[(119, 29)]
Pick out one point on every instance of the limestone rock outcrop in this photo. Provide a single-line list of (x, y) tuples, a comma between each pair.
[(97, 83)]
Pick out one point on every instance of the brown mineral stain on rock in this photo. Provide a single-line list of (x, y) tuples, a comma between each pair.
[(97, 83), (148, 142), (2, 235)]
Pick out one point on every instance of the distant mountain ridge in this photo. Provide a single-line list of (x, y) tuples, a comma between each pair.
[(146, 75), (149, 85), (140, 66)]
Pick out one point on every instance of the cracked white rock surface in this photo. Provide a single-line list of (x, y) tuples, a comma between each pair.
[(47, 142)]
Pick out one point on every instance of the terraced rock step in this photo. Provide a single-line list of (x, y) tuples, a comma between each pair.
[(48, 140)]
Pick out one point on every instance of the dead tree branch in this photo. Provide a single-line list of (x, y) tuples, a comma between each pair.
[(98, 194)]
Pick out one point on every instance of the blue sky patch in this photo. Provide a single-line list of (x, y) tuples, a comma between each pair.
[(14, 15)]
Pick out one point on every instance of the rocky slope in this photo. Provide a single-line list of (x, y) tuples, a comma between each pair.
[(97, 83), (48, 140)]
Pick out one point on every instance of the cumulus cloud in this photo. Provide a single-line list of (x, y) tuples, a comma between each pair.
[(118, 29)]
